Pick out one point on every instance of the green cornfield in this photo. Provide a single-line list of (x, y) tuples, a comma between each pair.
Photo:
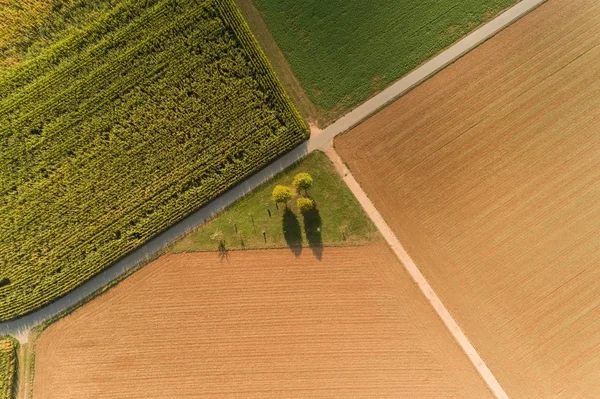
[(115, 126), (8, 367)]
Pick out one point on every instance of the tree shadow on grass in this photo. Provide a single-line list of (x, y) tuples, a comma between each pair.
[(292, 232), (223, 251), (312, 227)]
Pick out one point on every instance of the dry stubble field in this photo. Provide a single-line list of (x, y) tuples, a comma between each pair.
[(489, 173), (260, 324)]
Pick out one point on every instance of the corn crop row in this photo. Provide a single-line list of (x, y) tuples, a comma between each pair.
[(8, 367)]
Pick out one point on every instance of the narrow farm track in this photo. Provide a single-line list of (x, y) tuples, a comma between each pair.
[(321, 141)]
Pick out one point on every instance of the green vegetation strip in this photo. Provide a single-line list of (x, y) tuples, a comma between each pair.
[(8, 367), (345, 51), (255, 222), (122, 127)]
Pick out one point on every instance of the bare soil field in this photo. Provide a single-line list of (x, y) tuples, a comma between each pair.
[(489, 174), (257, 324)]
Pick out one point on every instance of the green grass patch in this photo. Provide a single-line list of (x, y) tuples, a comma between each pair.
[(120, 126), (345, 51), (338, 219), (8, 367)]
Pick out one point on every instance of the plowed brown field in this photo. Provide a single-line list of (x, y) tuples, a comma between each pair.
[(489, 174), (261, 324)]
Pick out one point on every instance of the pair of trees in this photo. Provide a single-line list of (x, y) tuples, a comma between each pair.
[(303, 182)]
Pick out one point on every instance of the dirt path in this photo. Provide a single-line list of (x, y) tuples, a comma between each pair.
[(417, 276), (23, 372)]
